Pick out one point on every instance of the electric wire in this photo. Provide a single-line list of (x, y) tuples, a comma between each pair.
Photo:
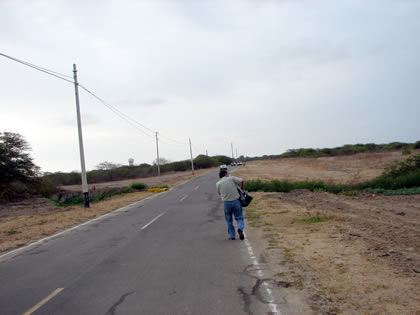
[(116, 111), (50, 72), (121, 114), (179, 142)]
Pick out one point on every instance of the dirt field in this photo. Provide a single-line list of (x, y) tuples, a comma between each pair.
[(332, 170), (24, 222), (345, 254)]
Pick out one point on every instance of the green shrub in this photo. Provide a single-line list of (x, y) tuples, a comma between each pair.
[(204, 161), (287, 186), (398, 168), (316, 219), (406, 151), (385, 182), (402, 191), (126, 190), (138, 186)]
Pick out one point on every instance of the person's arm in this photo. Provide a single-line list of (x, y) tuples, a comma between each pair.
[(239, 182), (218, 191)]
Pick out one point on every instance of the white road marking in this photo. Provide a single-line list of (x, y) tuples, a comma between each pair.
[(153, 220), (183, 198), (271, 303), (49, 297), (14, 252), (196, 187)]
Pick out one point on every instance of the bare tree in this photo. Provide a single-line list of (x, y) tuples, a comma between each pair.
[(105, 165), (162, 161)]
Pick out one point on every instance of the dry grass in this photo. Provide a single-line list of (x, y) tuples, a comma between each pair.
[(329, 261), (333, 170), (20, 230), (363, 258)]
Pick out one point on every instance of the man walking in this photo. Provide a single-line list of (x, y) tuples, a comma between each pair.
[(227, 188)]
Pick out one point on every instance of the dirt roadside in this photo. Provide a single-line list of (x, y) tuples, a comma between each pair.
[(27, 221), (344, 254)]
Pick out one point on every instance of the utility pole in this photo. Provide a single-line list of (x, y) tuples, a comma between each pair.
[(207, 153), (157, 151), (82, 153), (236, 153), (192, 163), (231, 146)]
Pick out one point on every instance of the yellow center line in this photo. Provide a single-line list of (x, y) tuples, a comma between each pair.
[(49, 297)]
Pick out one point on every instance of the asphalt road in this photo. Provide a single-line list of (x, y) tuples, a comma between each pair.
[(166, 255)]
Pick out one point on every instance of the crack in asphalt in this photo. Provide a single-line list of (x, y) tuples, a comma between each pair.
[(112, 309), (257, 290), (247, 300)]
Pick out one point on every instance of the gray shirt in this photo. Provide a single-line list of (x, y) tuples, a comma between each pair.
[(227, 188)]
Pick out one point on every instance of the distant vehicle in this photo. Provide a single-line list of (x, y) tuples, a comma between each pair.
[(223, 167), (239, 163), (233, 164)]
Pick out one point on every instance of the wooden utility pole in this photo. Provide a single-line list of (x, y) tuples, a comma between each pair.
[(82, 153), (157, 151), (231, 146), (192, 163)]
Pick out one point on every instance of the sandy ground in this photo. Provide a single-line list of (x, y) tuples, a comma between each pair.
[(27, 221), (363, 258), (337, 169)]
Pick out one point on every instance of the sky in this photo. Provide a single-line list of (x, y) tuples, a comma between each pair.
[(261, 76)]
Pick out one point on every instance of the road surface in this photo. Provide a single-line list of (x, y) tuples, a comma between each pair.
[(166, 255)]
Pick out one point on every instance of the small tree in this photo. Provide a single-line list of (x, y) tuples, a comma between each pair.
[(16, 166), (203, 161), (162, 161), (105, 165)]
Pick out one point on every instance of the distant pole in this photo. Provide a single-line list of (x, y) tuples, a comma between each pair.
[(82, 153), (231, 146), (207, 153), (157, 151), (192, 163), (236, 152)]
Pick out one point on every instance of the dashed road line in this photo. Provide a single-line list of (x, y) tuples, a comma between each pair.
[(153, 220), (183, 198), (16, 251), (49, 297), (197, 187)]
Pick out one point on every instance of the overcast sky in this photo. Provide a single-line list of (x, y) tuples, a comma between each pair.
[(264, 75)]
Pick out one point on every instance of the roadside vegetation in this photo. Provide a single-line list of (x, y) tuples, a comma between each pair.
[(20, 178), (64, 199), (401, 177), (107, 171)]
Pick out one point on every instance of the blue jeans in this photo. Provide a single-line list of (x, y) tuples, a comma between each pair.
[(234, 208)]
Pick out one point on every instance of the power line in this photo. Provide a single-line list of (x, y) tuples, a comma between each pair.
[(146, 130), (121, 114), (50, 72), (63, 77), (179, 142)]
